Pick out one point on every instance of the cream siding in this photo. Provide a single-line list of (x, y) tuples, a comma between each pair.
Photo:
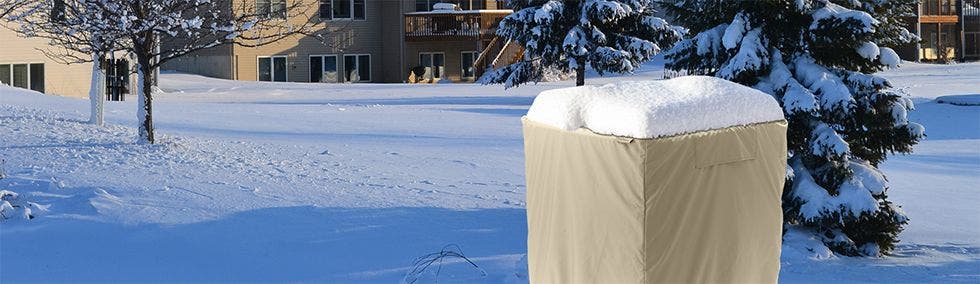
[(59, 79)]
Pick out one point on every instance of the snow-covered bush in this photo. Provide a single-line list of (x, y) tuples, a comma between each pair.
[(816, 58), (568, 35), (13, 207)]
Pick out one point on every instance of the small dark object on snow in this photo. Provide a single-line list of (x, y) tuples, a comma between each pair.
[(423, 262)]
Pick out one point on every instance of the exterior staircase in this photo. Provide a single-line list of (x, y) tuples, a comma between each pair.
[(499, 52)]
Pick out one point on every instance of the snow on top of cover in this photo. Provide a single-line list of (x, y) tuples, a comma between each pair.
[(651, 109)]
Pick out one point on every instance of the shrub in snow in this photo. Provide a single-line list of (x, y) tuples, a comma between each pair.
[(568, 35), (425, 262), (816, 58), (11, 206)]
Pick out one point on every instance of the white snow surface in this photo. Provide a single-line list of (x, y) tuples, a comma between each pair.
[(651, 109), (340, 183)]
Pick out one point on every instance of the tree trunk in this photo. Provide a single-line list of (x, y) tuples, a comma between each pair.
[(96, 93), (580, 75), (144, 112)]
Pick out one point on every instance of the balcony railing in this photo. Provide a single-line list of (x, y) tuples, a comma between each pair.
[(453, 25), (939, 7)]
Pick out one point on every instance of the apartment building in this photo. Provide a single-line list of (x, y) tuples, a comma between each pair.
[(383, 41), (950, 30)]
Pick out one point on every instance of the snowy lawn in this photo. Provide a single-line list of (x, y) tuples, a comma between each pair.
[(273, 182)]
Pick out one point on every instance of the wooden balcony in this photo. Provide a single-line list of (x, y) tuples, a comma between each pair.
[(453, 25)]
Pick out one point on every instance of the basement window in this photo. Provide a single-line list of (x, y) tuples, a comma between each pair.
[(23, 75)]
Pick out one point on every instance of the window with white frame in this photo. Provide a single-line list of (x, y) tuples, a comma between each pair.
[(435, 62), (342, 9), (23, 75), (271, 8), (357, 68), (272, 68), (467, 59), (323, 69)]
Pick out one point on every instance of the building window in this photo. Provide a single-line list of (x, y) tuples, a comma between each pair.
[(5, 74), (342, 9), (58, 11), (426, 5), (36, 76), (434, 62), (467, 60), (358, 6), (271, 8), (26, 76), (357, 68), (20, 76), (323, 69), (422, 6), (272, 69)]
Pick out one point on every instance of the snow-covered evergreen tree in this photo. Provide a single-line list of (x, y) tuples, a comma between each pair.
[(568, 35), (816, 57)]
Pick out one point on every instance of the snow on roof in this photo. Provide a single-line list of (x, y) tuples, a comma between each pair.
[(651, 109)]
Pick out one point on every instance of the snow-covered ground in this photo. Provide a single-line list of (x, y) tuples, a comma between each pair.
[(285, 182)]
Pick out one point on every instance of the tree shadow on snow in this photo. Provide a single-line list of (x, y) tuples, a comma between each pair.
[(267, 245), (495, 111), (447, 100)]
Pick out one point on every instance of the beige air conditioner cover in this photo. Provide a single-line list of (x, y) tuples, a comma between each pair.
[(702, 207)]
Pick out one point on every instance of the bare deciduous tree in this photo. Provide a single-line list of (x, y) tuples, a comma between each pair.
[(83, 30)]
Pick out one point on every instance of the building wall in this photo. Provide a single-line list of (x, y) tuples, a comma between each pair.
[(59, 79), (453, 55), (345, 36), (215, 62)]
